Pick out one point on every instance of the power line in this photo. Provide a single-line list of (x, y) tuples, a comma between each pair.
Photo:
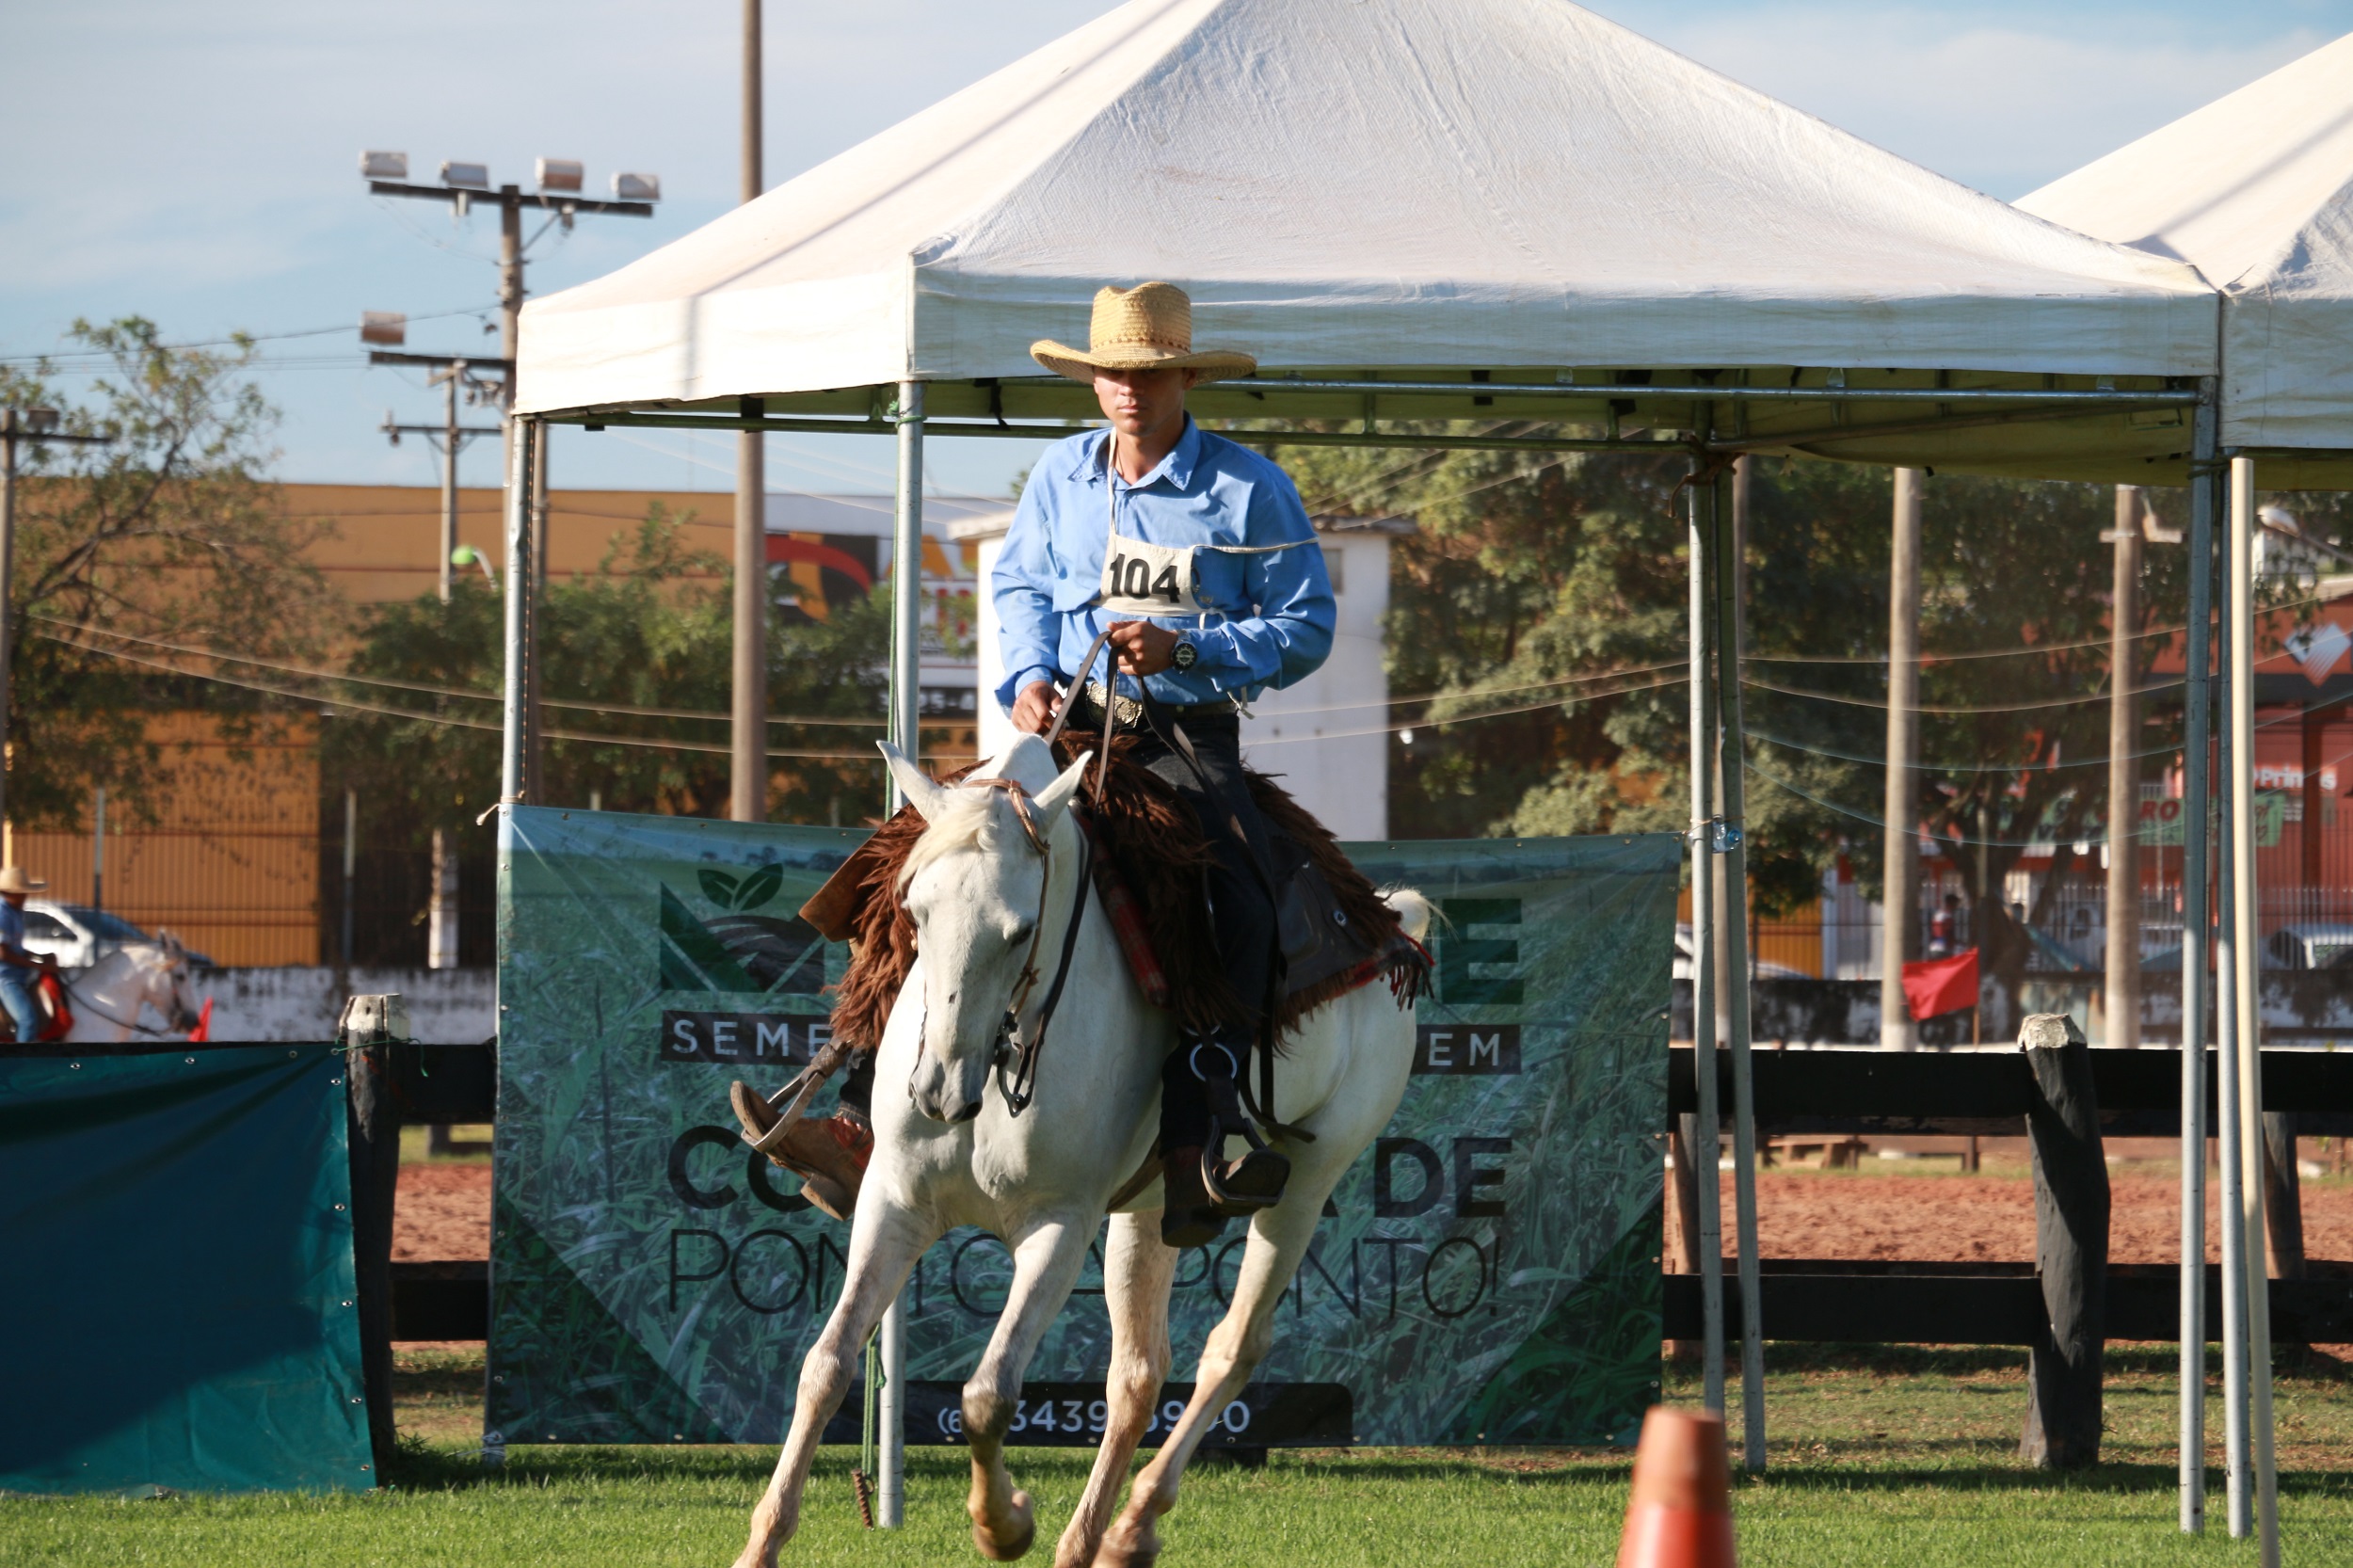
[(446, 721), (1957, 708), (425, 688)]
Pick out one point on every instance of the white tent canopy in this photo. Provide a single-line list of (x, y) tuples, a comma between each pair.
[(2256, 191), (1515, 185)]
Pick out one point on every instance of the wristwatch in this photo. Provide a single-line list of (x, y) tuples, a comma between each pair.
[(1184, 655)]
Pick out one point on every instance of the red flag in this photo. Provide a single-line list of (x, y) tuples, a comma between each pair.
[(204, 1030), (1942, 985)]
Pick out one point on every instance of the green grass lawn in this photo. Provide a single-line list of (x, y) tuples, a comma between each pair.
[(1880, 1455)]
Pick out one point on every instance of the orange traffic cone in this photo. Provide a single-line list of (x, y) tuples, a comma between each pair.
[(1680, 1514)]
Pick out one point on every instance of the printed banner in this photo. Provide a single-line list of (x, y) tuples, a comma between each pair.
[(1488, 1272)]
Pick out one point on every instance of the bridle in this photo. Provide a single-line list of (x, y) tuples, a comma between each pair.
[(131, 1023), (1013, 1049)]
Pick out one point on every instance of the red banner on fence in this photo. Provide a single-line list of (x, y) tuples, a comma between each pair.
[(1942, 985)]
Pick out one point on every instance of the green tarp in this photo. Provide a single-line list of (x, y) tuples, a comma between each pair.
[(1488, 1272), (176, 1271)]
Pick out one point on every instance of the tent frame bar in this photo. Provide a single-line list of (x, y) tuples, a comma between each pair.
[(724, 424), (1688, 392)]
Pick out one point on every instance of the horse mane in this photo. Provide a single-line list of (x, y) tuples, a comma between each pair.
[(968, 821)]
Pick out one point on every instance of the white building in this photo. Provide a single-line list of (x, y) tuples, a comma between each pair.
[(1327, 737)]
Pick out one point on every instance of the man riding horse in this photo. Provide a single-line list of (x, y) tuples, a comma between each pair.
[(20, 970), (1192, 559)]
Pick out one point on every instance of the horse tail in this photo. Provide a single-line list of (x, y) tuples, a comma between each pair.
[(1414, 912)]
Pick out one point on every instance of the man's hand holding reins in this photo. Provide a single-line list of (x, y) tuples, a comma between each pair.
[(1033, 710), (1144, 648)]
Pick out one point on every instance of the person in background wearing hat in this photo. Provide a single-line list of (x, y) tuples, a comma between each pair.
[(16, 965), (1196, 555)]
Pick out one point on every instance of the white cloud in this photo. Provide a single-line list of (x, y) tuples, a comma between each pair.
[(2003, 105)]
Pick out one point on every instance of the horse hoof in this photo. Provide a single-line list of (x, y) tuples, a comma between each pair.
[(1006, 1545), (1128, 1547)]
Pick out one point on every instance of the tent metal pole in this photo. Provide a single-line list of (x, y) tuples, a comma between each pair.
[(2197, 791), (1707, 1146), (1732, 932), (907, 601), (2227, 1125), (2249, 1063), (1900, 909), (514, 742)]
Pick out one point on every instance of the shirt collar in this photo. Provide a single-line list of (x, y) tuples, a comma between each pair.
[(1176, 468)]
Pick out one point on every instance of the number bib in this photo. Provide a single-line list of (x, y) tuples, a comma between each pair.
[(1144, 580)]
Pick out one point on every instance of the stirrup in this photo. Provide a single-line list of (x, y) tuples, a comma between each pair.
[(1256, 1180)]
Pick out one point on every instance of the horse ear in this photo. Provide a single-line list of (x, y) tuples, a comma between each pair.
[(922, 793), (1058, 794)]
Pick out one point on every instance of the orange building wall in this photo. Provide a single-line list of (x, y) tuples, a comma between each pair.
[(233, 866)]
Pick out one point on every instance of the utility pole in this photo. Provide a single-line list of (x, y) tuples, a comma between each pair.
[(2124, 910), (747, 771), (559, 196), (1899, 916), (32, 425), (448, 437)]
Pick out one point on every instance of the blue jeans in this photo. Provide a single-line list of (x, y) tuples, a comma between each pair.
[(16, 994)]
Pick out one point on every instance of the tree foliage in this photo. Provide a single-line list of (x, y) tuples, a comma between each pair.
[(170, 536), (1540, 609), (635, 649)]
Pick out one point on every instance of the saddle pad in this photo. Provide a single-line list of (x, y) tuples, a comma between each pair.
[(1337, 932)]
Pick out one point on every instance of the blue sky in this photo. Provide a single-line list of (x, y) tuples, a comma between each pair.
[(197, 164)]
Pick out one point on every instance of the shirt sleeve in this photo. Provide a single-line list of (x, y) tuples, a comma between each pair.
[(1027, 630), (1290, 635)]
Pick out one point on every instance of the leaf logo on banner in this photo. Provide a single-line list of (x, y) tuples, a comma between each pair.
[(738, 951), (750, 891)]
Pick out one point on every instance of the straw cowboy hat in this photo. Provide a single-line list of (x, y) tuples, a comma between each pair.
[(13, 880), (1146, 327)]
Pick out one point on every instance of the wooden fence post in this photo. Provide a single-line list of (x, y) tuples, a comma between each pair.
[(2283, 1196), (1685, 1195), (2071, 1224), (373, 1127)]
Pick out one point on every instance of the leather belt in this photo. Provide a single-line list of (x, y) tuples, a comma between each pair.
[(1128, 713)]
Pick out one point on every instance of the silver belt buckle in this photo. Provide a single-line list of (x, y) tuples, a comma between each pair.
[(1122, 708)]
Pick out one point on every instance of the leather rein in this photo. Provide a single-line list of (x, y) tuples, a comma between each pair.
[(1014, 1048)]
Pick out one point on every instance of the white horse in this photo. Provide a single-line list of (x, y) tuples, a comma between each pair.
[(947, 1153), (110, 996)]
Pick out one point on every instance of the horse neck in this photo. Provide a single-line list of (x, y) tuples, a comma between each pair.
[(124, 979)]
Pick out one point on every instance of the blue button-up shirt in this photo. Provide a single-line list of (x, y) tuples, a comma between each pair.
[(1273, 611)]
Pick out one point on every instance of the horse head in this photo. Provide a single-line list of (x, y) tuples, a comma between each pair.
[(170, 984), (977, 886)]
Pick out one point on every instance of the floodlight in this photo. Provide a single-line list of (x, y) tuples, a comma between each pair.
[(637, 187), (560, 174), (474, 176), (384, 166), (389, 327)]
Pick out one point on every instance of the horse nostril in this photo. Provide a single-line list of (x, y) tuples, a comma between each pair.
[(970, 1110)]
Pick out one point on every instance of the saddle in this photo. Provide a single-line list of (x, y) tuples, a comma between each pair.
[(1335, 931), (56, 1017)]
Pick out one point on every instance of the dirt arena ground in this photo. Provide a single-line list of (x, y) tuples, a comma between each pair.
[(1920, 1209)]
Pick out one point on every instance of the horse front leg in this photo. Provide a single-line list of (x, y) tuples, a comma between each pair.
[(1136, 1272), (1046, 1264), (1278, 1240), (884, 1246)]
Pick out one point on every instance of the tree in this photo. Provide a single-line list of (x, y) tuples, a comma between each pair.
[(170, 535), (1543, 602), (632, 649)]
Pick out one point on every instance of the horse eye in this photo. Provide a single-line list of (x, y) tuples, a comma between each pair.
[(1018, 935)]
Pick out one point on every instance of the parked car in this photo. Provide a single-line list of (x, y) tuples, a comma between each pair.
[(2317, 945), (80, 936), (1764, 968), (2313, 946)]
